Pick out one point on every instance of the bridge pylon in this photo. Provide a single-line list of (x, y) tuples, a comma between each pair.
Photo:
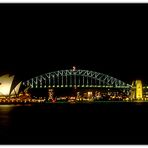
[(137, 90)]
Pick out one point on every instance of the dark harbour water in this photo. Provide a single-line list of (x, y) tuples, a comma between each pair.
[(101, 123)]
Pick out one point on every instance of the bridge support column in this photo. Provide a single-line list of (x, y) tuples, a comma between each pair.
[(137, 90)]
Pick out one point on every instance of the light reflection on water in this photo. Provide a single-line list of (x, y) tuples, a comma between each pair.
[(23, 105), (5, 114), (6, 108), (5, 119)]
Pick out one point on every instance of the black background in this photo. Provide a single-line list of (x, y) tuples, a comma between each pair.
[(108, 38)]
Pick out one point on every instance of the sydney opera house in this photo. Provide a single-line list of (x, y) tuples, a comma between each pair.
[(8, 88)]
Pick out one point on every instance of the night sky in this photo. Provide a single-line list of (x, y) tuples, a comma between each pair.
[(111, 39)]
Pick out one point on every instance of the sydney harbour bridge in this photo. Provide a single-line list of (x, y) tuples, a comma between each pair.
[(79, 79), (75, 78)]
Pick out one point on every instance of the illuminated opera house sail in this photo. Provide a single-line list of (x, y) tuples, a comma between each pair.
[(6, 88)]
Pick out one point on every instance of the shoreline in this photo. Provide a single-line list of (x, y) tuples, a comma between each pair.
[(84, 102)]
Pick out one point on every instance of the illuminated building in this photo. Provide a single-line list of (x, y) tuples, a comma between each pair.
[(85, 95), (6, 88), (133, 91), (97, 95), (89, 94), (15, 91), (50, 94), (138, 89)]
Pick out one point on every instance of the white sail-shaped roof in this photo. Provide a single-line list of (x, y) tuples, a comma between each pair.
[(16, 89), (5, 84)]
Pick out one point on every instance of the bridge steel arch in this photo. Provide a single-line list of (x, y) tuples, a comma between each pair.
[(75, 78)]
